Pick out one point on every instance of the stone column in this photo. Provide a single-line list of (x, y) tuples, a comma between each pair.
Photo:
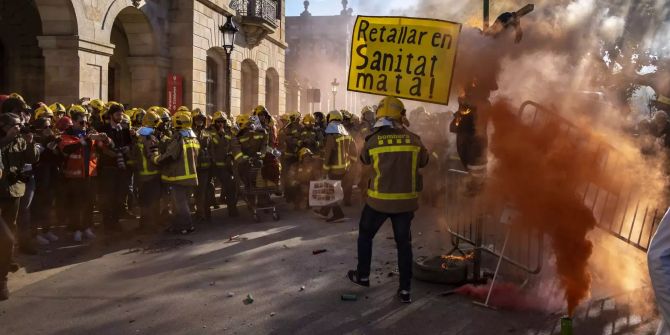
[(148, 76), (74, 68)]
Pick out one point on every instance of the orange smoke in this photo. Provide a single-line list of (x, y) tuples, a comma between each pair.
[(539, 170)]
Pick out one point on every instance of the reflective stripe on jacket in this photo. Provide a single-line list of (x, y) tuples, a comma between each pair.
[(338, 153), (73, 164), (179, 162), (144, 165), (396, 155)]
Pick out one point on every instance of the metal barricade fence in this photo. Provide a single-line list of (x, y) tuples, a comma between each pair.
[(624, 211), (475, 220), (621, 211)]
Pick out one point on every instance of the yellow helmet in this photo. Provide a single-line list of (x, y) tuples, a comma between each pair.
[(43, 111), (198, 113), (130, 112), (154, 109), (76, 109), (284, 118), (58, 108), (303, 152), (181, 121), (392, 108), (294, 117), (17, 96), (308, 120), (218, 115), (108, 106), (243, 121), (334, 116), (260, 109), (151, 120), (97, 104), (183, 109), (138, 115), (126, 119)]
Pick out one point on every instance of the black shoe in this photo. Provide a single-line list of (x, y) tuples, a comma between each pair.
[(320, 214), (336, 219), (404, 296), (4, 291), (353, 276), (28, 248)]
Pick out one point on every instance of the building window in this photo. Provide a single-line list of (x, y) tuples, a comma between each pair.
[(212, 86)]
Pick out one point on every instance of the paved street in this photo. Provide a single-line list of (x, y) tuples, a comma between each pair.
[(163, 285)]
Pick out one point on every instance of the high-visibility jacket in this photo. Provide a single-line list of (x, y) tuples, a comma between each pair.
[(311, 138), (288, 139), (221, 148), (145, 168), (396, 155), (250, 143), (79, 161), (204, 156), (179, 161), (339, 152)]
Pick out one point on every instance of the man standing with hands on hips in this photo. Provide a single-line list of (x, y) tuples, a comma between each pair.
[(393, 191)]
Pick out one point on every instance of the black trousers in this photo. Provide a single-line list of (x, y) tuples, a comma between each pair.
[(149, 199), (202, 205), (371, 221), (228, 186), (113, 190), (78, 195)]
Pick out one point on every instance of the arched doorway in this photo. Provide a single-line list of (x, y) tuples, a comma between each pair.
[(131, 78), (272, 91), (249, 86), (21, 60)]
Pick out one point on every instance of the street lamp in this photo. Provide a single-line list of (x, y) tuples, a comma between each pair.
[(334, 86), (229, 30)]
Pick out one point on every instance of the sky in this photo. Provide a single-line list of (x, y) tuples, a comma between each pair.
[(333, 7)]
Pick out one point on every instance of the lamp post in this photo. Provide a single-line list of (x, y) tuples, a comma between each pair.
[(229, 30), (334, 86)]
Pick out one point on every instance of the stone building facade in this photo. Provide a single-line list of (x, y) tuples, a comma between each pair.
[(318, 53), (125, 50)]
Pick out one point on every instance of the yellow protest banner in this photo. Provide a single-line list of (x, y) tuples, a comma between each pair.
[(408, 58)]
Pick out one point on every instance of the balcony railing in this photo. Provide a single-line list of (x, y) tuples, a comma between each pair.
[(262, 9)]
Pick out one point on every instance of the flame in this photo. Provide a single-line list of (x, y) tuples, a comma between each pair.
[(450, 260)]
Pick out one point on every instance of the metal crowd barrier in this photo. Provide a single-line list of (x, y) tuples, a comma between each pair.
[(624, 211), (475, 221)]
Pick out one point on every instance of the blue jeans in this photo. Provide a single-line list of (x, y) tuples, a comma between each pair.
[(371, 221), (182, 213)]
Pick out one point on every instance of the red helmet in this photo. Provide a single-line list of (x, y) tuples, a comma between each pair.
[(64, 123)]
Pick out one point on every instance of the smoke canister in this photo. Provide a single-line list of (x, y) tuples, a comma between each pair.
[(566, 325), (349, 297)]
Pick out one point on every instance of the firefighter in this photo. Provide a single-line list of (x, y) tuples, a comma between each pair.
[(59, 111), (221, 149), (470, 126), (97, 108), (147, 173), (271, 166), (288, 139), (178, 166), (309, 168), (397, 155), (249, 151), (338, 153), (310, 137), (137, 117), (203, 210)]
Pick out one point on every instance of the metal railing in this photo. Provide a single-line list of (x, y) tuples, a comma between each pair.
[(624, 211), (621, 210), (263, 9)]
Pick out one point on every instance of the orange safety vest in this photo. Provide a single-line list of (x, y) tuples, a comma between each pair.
[(74, 167)]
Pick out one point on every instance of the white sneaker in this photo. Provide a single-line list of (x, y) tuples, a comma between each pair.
[(77, 236), (89, 234), (41, 240), (51, 236)]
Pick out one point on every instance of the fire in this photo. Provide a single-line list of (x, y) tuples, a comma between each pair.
[(451, 260)]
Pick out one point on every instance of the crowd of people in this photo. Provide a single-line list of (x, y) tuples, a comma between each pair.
[(60, 165)]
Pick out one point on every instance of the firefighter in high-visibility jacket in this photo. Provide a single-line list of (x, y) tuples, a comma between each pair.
[(179, 170), (396, 155), (147, 172), (221, 149), (250, 148), (310, 137), (339, 152), (203, 211)]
